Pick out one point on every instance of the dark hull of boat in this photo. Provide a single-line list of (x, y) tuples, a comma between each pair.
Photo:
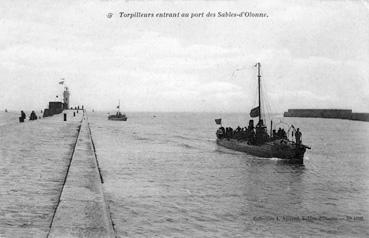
[(282, 149), (115, 118)]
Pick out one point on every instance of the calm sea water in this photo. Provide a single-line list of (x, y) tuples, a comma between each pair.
[(9, 118), (165, 176)]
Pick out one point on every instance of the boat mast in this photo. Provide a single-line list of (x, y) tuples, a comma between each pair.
[(259, 77)]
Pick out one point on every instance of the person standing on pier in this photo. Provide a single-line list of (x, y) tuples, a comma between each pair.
[(23, 115)]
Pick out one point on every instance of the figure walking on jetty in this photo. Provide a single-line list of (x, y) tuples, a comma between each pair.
[(22, 117), (33, 116)]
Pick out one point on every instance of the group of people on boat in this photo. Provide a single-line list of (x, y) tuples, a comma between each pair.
[(280, 134), (255, 135), (251, 134), (119, 114)]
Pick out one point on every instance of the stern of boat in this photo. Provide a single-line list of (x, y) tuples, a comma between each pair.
[(298, 155), (289, 151)]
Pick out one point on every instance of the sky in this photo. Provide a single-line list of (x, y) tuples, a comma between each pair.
[(313, 54)]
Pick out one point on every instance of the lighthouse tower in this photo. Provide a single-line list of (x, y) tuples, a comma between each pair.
[(66, 95)]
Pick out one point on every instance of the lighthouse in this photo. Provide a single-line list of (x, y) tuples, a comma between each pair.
[(66, 95)]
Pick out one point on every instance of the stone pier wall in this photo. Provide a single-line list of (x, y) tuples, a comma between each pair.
[(327, 113)]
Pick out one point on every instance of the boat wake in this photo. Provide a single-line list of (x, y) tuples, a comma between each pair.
[(274, 159), (227, 151)]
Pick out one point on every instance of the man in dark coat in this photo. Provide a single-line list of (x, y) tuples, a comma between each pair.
[(298, 135)]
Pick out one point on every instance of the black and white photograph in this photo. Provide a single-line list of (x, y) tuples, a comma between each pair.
[(184, 118)]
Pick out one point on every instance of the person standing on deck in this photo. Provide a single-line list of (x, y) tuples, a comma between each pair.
[(298, 135)]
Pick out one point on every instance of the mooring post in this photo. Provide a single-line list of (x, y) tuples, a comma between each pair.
[(65, 116)]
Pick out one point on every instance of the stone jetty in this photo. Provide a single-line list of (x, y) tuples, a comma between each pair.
[(50, 184), (327, 113), (82, 211)]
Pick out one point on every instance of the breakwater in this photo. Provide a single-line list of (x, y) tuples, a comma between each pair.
[(50, 181), (327, 113), (81, 210), (34, 161)]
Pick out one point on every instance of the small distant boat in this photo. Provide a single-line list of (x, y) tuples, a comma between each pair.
[(256, 140), (118, 115)]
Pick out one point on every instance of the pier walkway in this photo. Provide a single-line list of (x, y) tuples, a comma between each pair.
[(50, 184), (82, 211), (34, 159)]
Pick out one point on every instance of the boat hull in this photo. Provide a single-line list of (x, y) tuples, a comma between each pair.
[(114, 118), (283, 149)]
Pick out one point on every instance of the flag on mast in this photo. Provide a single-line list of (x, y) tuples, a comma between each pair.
[(255, 112)]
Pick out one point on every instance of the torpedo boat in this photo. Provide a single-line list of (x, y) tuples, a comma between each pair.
[(118, 116), (258, 142)]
